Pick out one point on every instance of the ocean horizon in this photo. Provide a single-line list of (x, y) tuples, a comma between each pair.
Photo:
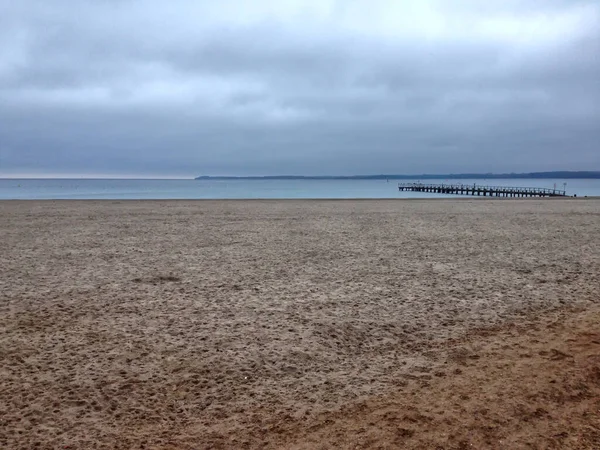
[(188, 189)]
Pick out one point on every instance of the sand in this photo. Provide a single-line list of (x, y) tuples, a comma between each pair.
[(300, 324)]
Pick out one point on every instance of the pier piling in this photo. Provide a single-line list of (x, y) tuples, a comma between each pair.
[(486, 191)]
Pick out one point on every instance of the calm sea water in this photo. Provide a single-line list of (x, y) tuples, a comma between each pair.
[(247, 189)]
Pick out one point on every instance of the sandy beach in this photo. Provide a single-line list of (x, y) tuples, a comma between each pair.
[(443, 324)]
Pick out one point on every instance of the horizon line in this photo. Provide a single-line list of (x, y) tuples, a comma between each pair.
[(380, 175)]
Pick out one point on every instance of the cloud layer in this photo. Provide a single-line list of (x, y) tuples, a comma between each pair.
[(118, 87)]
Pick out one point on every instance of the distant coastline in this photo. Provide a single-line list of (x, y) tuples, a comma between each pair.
[(447, 176)]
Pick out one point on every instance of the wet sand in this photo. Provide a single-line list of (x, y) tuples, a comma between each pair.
[(300, 324)]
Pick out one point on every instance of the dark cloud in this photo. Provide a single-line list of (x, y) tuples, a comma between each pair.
[(196, 87)]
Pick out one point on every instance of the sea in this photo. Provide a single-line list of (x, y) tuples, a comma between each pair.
[(80, 189)]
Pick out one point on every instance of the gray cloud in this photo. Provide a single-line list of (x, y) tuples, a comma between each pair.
[(186, 87)]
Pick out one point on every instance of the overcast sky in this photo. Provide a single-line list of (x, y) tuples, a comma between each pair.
[(231, 87)]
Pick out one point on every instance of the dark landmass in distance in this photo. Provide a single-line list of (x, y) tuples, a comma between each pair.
[(447, 176)]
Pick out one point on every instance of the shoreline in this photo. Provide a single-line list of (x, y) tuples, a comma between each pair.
[(334, 199)]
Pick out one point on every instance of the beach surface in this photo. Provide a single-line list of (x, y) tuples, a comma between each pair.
[(449, 324)]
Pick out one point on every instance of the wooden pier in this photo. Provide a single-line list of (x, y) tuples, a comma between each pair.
[(474, 189)]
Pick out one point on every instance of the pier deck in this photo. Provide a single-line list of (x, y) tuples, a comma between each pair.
[(474, 189)]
